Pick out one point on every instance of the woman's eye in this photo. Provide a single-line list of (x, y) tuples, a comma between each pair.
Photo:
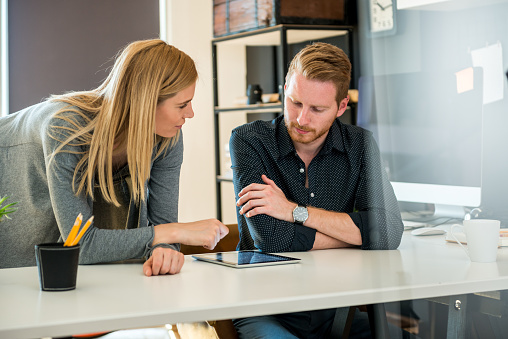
[(183, 106)]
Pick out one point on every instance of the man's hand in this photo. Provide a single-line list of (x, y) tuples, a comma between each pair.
[(265, 199), (206, 233), (163, 261)]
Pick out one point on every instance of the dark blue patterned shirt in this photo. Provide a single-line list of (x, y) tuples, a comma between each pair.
[(346, 176)]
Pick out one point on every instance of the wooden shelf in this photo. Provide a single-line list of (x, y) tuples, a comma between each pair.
[(270, 36), (258, 108), (227, 178)]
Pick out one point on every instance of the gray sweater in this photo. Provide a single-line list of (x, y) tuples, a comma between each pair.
[(48, 206)]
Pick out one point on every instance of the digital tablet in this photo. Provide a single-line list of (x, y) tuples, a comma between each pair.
[(243, 259)]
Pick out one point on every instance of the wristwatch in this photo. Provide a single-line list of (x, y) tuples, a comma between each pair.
[(300, 214)]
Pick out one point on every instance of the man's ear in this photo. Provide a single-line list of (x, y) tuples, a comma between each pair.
[(343, 106)]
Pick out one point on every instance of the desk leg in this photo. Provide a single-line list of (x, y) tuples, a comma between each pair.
[(500, 326), (377, 321), (432, 317), (342, 322), (457, 318)]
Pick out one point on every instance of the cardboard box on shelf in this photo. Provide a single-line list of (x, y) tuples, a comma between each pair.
[(235, 16)]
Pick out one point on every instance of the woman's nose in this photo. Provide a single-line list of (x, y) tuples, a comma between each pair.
[(189, 112)]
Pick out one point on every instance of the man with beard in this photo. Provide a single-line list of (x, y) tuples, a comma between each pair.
[(307, 181)]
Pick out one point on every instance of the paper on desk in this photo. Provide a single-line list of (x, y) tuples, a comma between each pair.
[(490, 58), (461, 236)]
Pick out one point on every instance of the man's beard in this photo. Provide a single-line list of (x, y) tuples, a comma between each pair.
[(305, 138)]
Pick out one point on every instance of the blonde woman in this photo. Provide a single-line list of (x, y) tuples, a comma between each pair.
[(114, 152)]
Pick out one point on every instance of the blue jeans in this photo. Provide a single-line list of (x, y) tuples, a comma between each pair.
[(308, 325), (311, 324)]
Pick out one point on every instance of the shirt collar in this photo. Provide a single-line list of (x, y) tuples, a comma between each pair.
[(284, 141), (333, 139)]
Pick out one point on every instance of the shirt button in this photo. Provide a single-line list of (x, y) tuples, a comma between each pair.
[(312, 195), (302, 170)]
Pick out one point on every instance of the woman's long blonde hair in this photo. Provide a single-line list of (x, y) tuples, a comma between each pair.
[(121, 113)]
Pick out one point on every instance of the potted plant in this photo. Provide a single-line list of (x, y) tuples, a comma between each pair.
[(7, 209)]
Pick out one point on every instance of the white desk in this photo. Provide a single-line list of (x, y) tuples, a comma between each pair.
[(112, 297)]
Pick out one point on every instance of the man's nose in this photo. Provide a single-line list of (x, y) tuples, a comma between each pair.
[(303, 117)]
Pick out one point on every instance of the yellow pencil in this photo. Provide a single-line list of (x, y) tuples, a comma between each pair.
[(74, 230), (78, 238)]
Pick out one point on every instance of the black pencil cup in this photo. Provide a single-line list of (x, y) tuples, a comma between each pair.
[(58, 266)]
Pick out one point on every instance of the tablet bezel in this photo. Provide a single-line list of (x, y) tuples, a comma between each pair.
[(212, 258)]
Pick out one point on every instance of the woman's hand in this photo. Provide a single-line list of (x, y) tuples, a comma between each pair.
[(206, 233), (163, 261)]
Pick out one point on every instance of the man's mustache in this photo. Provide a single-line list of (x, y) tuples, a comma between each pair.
[(303, 128)]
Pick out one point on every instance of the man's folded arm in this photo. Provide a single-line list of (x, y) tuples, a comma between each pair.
[(273, 235), (269, 234)]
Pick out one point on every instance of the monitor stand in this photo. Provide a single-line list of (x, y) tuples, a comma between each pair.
[(449, 211), (436, 214)]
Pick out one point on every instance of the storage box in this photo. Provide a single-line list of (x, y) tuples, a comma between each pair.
[(234, 16)]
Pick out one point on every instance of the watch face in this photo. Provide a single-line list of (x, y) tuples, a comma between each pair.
[(300, 214), (381, 15)]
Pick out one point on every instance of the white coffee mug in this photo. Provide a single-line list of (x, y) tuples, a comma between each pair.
[(482, 236)]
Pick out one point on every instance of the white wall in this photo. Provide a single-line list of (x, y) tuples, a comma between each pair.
[(190, 28)]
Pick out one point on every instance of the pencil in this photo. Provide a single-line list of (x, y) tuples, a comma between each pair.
[(74, 230), (83, 230)]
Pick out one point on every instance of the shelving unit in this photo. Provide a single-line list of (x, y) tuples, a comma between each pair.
[(233, 70)]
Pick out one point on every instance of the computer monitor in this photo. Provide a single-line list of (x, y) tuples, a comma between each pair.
[(429, 135)]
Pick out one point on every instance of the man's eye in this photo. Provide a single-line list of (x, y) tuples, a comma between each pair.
[(296, 103)]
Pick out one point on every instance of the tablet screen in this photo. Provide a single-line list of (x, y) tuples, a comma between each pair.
[(245, 258)]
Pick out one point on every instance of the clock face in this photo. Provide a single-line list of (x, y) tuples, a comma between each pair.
[(381, 15)]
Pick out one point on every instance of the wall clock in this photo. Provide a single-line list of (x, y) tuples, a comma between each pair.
[(382, 15)]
